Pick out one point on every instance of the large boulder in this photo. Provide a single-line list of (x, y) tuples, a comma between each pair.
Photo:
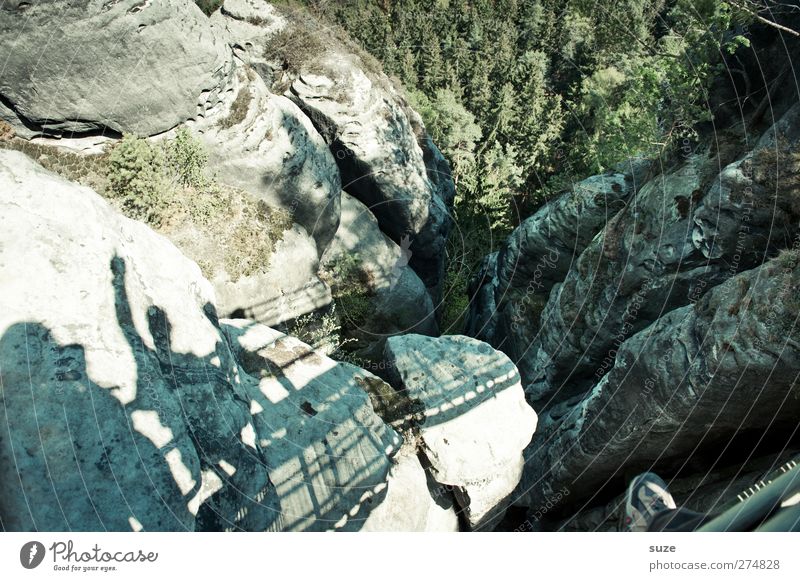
[(126, 404), (471, 414), (327, 453), (365, 122), (413, 502), (118, 391), (132, 66), (684, 386)]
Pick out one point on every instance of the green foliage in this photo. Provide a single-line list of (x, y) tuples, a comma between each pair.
[(452, 128), (351, 288), (526, 97), (570, 86), (186, 158), (154, 182), (320, 330), (136, 177), (209, 6), (501, 180)]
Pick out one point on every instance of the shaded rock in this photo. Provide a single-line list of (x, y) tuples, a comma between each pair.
[(363, 259), (682, 234), (118, 391), (133, 66), (511, 287), (684, 385), (263, 144), (364, 121), (326, 451), (475, 421), (126, 405)]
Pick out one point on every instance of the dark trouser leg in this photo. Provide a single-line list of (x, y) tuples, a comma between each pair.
[(678, 520)]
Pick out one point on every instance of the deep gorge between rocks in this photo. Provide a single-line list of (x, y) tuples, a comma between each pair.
[(228, 243)]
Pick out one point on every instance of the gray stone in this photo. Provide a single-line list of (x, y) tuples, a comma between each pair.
[(263, 144), (474, 419), (686, 384), (365, 123), (399, 302), (132, 66), (125, 404), (682, 234), (413, 502), (326, 451), (511, 287), (287, 288)]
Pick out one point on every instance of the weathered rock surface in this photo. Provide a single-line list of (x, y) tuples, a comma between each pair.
[(263, 144), (682, 234), (127, 405), (246, 24), (327, 453), (287, 288), (687, 383), (512, 285), (399, 302), (475, 421), (133, 66), (382, 164), (414, 502), (119, 401)]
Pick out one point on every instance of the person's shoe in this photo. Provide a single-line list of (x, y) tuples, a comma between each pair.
[(647, 496)]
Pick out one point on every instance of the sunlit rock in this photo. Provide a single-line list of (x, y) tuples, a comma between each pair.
[(473, 420)]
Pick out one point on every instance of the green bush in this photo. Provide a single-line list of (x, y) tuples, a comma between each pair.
[(209, 6), (186, 158), (136, 178)]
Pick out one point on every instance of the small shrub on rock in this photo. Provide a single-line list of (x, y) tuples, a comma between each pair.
[(136, 178), (187, 158), (6, 131)]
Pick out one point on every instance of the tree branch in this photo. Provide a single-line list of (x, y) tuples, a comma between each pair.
[(766, 21)]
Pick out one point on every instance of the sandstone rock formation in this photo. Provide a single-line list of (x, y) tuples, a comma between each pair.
[(414, 502), (127, 66), (473, 420), (656, 338), (689, 382), (362, 256), (511, 287), (128, 405), (365, 123), (655, 256)]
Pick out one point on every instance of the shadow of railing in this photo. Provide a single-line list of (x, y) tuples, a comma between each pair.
[(269, 437)]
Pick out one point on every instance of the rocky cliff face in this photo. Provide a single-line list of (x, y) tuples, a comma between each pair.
[(129, 404), (291, 135), (647, 315), (650, 318), (133, 66), (129, 401)]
